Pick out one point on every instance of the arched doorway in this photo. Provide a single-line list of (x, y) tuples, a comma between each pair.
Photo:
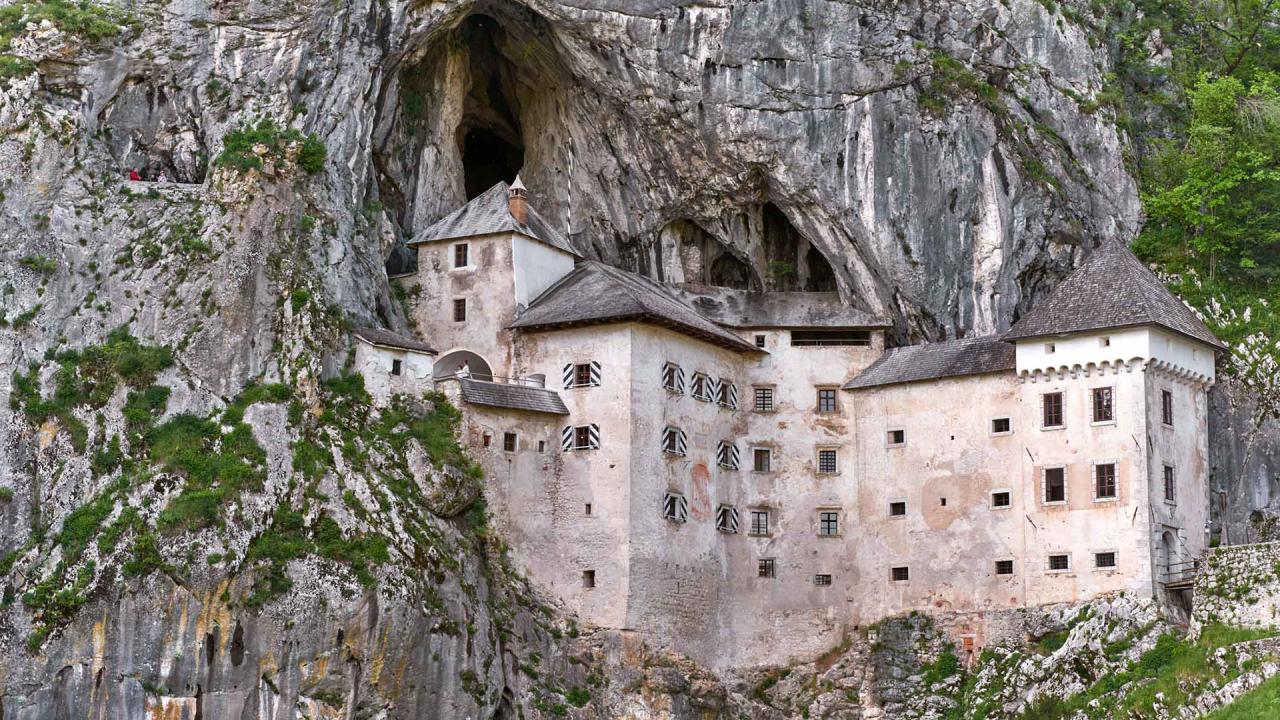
[(447, 365)]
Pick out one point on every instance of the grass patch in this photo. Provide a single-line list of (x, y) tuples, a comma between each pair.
[(245, 148)]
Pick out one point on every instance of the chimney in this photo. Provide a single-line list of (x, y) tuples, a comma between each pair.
[(516, 202)]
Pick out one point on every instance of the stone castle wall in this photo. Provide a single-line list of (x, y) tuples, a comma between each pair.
[(1239, 585)]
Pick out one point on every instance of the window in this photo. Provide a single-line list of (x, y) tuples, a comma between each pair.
[(1055, 485), (1050, 348), (702, 387), (766, 568), (894, 438), (899, 574), (542, 446), (827, 400), (759, 341), (764, 399), (942, 502), (727, 455), (1104, 559), (580, 437), (1103, 407), (727, 519), (486, 440), (1004, 567), (827, 462), (459, 309), (1001, 499), (673, 378), (395, 367), (1166, 407), (829, 523), (1105, 341), (674, 441), (1060, 562), (822, 580), (1051, 404), (1104, 481), (1169, 495), (461, 255), (586, 508), (817, 338), (588, 579), (508, 442), (727, 395), (675, 507), (897, 508), (576, 375), (759, 522), (762, 460), (1001, 426)]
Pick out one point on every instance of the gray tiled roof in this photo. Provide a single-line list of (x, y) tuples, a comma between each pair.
[(952, 358), (596, 293), (513, 397), (489, 213), (378, 336), (1111, 289), (746, 309)]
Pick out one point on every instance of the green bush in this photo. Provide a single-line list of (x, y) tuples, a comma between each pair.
[(238, 147)]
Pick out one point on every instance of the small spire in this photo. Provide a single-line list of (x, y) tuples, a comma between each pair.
[(516, 203), (516, 186)]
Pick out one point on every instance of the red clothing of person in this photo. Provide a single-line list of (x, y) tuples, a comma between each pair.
[(133, 175)]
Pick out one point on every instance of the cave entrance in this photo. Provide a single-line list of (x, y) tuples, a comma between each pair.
[(490, 138), (792, 262)]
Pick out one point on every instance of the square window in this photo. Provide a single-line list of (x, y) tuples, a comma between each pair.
[(542, 446), (764, 399), (822, 580), (1104, 559), (1103, 405), (1104, 481), (897, 508), (673, 441), (1050, 348), (1055, 485), (766, 568), (588, 579), (1052, 406), (461, 255), (582, 437), (827, 400), (760, 341), (1001, 426), (899, 574), (486, 440), (895, 438), (700, 388), (1060, 562), (727, 455), (727, 519), (1166, 407), (675, 507), (582, 375), (829, 523), (1169, 486), (727, 394), (509, 442), (762, 460), (1004, 567), (1105, 341), (673, 378), (759, 522), (827, 462), (395, 367), (1001, 499), (459, 309)]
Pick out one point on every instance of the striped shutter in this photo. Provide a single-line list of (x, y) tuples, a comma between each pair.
[(566, 438), (595, 374), (679, 379), (734, 458), (713, 389), (681, 443), (732, 392), (727, 455), (593, 436), (568, 376)]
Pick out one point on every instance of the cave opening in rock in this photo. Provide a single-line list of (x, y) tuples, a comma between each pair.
[(694, 255), (792, 262), (490, 138)]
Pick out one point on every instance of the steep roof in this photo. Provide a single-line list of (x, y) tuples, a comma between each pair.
[(747, 309), (489, 213), (386, 338), (1111, 289), (513, 397), (596, 293), (931, 361)]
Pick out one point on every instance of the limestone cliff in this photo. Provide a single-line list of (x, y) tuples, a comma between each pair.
[(941, 162)]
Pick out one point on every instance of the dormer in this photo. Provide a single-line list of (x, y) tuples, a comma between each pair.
[(1110, 312)]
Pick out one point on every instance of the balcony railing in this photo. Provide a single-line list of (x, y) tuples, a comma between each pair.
[(1180, 574), (537, 381)]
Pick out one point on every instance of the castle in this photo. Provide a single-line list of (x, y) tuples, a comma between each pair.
[(746, 476)]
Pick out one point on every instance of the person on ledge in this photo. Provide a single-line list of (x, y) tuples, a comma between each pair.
[(133, 174)]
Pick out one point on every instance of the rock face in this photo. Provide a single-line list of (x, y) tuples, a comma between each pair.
[(939, 162)]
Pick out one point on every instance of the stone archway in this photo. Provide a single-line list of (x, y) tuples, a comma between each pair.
[(447, 365)]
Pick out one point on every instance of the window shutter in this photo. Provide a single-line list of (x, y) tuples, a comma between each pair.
[(595, 374), (733, 395), (713, 389), (734, 459), (566, 438), (681, 444), (568, 376), (593, 436)]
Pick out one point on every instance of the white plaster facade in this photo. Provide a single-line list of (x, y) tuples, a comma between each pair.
[(390, 370)]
